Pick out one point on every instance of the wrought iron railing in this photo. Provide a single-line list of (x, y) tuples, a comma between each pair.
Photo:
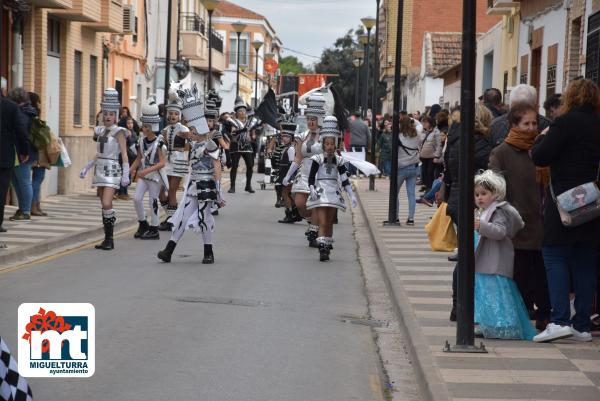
[(193, 22), (217, 41)]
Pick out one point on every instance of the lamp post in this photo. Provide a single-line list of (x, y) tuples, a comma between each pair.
[(393, 198), (364, 40), (257, 44), (358, 62), (168, 54), (369, 23), (210, 6), (238, 27)]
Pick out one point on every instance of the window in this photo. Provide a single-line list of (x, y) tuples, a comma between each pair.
[(77, 89), (93, 75), (53, 37), (244, 50), (592, 62), (135, 31)]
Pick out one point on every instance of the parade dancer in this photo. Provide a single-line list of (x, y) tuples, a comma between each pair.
[(307, 145), (151, 178), (275, 151), (108, 174), (211, 113), (174, 135), (240, 146), (203, 184), (327, 170), (287, 156)]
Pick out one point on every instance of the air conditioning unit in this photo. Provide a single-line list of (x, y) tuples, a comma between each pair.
[(128, 19)]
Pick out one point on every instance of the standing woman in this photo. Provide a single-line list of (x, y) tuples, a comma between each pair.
[(39, 166), (307, 145), (108, 174), (431, 148), (408, 164), (327, 171), (571, 148)]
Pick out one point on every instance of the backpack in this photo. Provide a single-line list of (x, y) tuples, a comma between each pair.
[(40, 133)]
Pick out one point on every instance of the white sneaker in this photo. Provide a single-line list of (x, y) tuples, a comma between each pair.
[(581, 336), (553, 332)]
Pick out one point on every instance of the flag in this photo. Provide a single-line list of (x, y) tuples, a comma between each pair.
[(267, 109), (13, 386)]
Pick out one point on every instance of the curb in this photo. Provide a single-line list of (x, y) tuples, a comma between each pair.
[(34, 252), (431, 385)]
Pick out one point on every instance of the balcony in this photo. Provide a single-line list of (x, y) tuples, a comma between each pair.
[(218, 62), (194, 43), (502, 7), (81, 11), (51, 3), (111, 17)]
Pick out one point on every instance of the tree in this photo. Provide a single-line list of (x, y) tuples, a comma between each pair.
[(291, 64), (338, 59)]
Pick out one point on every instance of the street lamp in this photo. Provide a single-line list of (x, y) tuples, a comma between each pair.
[(238, 27), (368, 23), (364, 40), (358, 62), (210, 6), (257, 44)]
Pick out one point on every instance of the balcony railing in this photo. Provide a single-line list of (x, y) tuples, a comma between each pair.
[(193, 22), (216, 41)]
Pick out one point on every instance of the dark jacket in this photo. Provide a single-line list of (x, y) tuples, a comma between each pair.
[(572, 150), (451, 161), (12, 133), (385, 145), (28, 112), (522, 192), (500, 127), (496, 112)]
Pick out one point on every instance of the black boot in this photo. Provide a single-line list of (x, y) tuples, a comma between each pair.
[(279, 202), (209, 257), (165, 254), (296, 214), (311, 236), (324, 252), (142, 228), (249, 189), (232, 176), (108, 243), (151, 233), (288, 219)]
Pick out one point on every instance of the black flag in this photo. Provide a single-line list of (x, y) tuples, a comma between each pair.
[(267, 109)]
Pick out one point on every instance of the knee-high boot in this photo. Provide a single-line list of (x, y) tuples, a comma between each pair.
[(108, 220)]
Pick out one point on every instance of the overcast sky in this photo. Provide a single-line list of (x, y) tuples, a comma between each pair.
[(309, 26)]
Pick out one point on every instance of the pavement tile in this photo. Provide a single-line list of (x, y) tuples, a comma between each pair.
[(527, 391)]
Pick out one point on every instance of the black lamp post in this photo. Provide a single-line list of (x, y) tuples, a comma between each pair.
[(393, 199), (238, 27), (358, 61), (168, 54), (257, 44), (369, 23), (364, 40), (210, 6)]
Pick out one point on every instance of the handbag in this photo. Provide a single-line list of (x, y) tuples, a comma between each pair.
[(440, 231), (580, 204), (52, 150)]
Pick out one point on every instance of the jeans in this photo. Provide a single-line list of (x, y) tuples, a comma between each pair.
[(386, 166), (581, 260), (21, 181), (36, 182), (435, 187), (409, 174), (5, 174)]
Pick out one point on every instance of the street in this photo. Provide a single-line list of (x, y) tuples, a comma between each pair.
[(267, 321)]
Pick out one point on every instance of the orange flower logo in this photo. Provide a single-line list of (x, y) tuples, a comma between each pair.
[(44, 321)]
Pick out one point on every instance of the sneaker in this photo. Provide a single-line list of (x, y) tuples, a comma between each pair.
[(584, 337), (553, 332), (410, 222), (21, 216), (453, 258), (424, 201)]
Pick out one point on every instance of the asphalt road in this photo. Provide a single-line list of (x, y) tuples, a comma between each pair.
[(267, 321)]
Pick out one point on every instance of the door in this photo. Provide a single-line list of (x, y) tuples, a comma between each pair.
[(536, 69), (52, 107)]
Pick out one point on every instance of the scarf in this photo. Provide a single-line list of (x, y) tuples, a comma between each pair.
[(524, 140)]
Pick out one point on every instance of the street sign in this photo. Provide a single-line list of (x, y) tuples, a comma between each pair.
[(271, 66)]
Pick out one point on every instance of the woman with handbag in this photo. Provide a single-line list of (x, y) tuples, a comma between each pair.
[(571, 148)]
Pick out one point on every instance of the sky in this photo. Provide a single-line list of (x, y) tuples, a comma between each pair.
[(309, 26)]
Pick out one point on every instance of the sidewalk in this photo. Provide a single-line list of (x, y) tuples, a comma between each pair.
[(420, 281)]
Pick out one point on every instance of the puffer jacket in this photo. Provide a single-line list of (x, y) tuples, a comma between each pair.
[(431, 147)]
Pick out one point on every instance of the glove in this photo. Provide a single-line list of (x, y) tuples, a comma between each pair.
[(293, 168), (313, 193), (351, 195), (86, 168), (125, 181)]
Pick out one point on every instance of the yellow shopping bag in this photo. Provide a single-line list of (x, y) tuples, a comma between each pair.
[(440, 231)]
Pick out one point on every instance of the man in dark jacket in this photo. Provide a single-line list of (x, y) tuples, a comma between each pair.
[(21, 179), (12, 135), (492, 99)]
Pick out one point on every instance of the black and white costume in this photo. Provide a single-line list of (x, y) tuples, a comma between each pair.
[(241, 147), (107, 170), (201, 187), (177, 156), (149, 151), (287, 154)]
